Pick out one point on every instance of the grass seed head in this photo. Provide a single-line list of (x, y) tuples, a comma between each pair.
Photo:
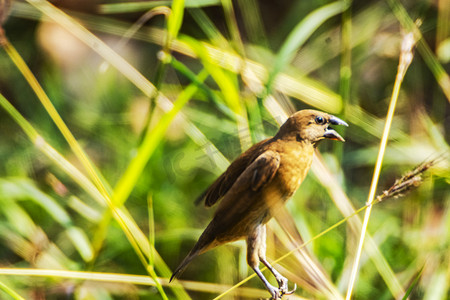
[(407, 182)]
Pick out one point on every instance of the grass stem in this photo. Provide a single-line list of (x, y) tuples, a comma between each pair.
[(10, 291), (406, 56)]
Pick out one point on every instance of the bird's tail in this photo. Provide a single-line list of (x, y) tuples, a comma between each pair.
[(184, 264), (204, 243)]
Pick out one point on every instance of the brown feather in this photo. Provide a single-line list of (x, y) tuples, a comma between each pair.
[(258, 183), (222, 184)]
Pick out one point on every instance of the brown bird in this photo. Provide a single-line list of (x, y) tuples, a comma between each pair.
[(257, 183)]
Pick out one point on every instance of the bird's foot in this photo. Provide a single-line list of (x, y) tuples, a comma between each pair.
[(275, 292), (278, 293), (283, 286)]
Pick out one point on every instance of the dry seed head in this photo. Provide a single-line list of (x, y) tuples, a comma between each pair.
[(406, 53), (407, 182)]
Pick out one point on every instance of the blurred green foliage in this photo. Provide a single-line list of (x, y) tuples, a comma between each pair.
[(233, 70)]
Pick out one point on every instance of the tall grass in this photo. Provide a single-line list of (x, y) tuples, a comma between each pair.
[(100, 174), (406, 57)]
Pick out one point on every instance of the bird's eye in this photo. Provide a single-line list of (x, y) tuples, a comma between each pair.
[(320, 120)]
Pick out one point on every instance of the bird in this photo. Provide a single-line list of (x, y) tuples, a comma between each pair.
[(258, 183)]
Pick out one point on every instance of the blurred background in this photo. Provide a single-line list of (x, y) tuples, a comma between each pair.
[(158, 96)]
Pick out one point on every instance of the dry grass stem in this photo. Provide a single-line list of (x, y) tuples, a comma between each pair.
[(142, 105), (406, 56)]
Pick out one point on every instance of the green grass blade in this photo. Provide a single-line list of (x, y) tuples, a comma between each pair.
[(59, 122), (253, 22), (127, 7), (124, 67), (345, 70), (175, 19), (233, 29), (151, 230), (413, 284), (209, 28), (15, 215), (133, 233), (226, 83), (151, 140), (433, 63), (308, 90), (19, 119), (299, 35), (76, 235), (10, 292), (185, 71), (205, 287), (25, 189)]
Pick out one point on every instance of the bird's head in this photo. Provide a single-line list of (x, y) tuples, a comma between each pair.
[(310, 125)]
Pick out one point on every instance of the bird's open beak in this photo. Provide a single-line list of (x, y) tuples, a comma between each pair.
[(330, 133)]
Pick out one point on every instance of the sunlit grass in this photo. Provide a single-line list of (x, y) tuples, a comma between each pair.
[(123, 279), (406, 57), (96, 194)]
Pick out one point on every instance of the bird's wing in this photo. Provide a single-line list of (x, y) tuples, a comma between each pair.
[(216, 191), (243, 193), (263, 169), (225, 181), (220, 187)]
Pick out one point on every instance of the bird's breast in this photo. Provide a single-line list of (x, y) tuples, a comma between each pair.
[(293, 169)]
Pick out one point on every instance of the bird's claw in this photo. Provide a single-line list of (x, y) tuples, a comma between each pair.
[(291, 291), (283, 287), (282, 284), (278, 293)]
